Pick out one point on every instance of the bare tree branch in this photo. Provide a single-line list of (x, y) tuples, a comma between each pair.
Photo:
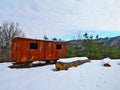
[(8, 30)]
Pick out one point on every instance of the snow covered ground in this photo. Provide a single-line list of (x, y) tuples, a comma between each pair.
[(89, 76)]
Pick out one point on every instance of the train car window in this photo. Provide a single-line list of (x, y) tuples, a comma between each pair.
[(33, 46), (59, 46)]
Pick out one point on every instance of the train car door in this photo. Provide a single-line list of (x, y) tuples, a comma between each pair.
[(33, 51), (36, 51)]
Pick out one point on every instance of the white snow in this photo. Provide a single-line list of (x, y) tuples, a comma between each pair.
[(72, 59), (106, 60), (88, 76)]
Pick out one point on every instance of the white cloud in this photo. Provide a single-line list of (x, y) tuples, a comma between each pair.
[(62, 18)]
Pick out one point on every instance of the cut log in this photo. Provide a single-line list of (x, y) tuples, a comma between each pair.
[(66, 66)]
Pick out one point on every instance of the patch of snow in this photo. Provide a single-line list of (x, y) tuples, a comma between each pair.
[(106, 60), (36, 62), (67, 60)]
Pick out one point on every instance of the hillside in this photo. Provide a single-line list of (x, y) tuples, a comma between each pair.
[(113, 41)]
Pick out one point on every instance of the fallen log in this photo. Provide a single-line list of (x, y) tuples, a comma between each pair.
[(65, 66), (21, 65)]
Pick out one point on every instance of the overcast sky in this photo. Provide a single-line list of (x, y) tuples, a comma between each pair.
[(63, 18)]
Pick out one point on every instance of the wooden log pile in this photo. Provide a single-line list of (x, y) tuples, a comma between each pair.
[(66, 66)]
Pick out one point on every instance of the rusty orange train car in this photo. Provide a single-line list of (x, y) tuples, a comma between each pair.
[(29, 50)]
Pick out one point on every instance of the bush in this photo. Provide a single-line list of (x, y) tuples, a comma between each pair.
[(71, 52)]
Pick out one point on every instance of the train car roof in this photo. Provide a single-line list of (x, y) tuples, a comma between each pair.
[(36, 39)]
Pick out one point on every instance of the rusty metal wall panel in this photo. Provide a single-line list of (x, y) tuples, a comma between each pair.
[(15, 50), (41, 50), (24, 48), (54, 53), (50, 50), (61, 53)]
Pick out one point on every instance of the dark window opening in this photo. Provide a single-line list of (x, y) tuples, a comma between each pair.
[(33, 46), (59, 47)]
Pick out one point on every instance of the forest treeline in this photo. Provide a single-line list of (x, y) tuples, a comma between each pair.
[(93, 49)]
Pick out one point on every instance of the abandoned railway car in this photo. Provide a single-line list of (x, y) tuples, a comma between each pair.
[(28, 50)]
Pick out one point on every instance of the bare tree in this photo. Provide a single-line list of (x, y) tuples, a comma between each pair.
[(86, 36), (97, 37), (8, 30), (45, 37), (77, 37)]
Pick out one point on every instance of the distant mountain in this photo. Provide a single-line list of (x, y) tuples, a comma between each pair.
[(108, 41)]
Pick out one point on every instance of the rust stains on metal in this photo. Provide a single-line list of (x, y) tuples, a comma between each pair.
[(26, 49)]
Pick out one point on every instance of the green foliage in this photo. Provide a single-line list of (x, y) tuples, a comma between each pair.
[(111, 52), (55, 39), (71, 52), (93, 49)]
